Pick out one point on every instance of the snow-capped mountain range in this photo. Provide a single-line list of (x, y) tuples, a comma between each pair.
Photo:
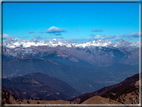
[(13, 43), (104, 62), (100, 53)]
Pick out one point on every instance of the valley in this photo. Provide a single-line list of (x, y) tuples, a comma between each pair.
[(64, 71), (125, 92)]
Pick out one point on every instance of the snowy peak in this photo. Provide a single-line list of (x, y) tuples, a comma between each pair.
[(13, 43), (34, 40), (97, 43), (123, 43), (102, 51)]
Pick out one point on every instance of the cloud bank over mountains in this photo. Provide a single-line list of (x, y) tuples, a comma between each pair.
[(128, 37), (5, 36), (55, 33)]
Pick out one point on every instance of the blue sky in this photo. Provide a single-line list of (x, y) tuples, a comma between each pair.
[(79, 22)]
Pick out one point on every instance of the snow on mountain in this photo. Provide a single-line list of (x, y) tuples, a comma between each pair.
[(95, 43), (123, 43), (100, 53), (13, 43)]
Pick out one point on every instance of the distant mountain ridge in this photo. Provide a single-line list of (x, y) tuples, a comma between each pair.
[(13, 43), (70, 74), (105, 53), (116, 92), (125, 92), (54, 83), (85, 78), (40, 86)]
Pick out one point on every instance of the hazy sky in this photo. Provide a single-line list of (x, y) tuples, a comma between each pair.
[(79, 22)]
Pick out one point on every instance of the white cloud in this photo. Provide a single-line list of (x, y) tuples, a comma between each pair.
[(133, 35), (97, 30), (98, 37), (25, 37), (5, 36), (104, 37), (55, 31), (31, 32), (129, 37)]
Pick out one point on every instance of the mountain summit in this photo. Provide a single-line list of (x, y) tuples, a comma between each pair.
[(13, 43)]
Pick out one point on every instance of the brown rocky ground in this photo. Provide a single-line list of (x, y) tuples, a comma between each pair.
[(11, 99), (131, 95), (45, 102), (8, 98), (100, 100)]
